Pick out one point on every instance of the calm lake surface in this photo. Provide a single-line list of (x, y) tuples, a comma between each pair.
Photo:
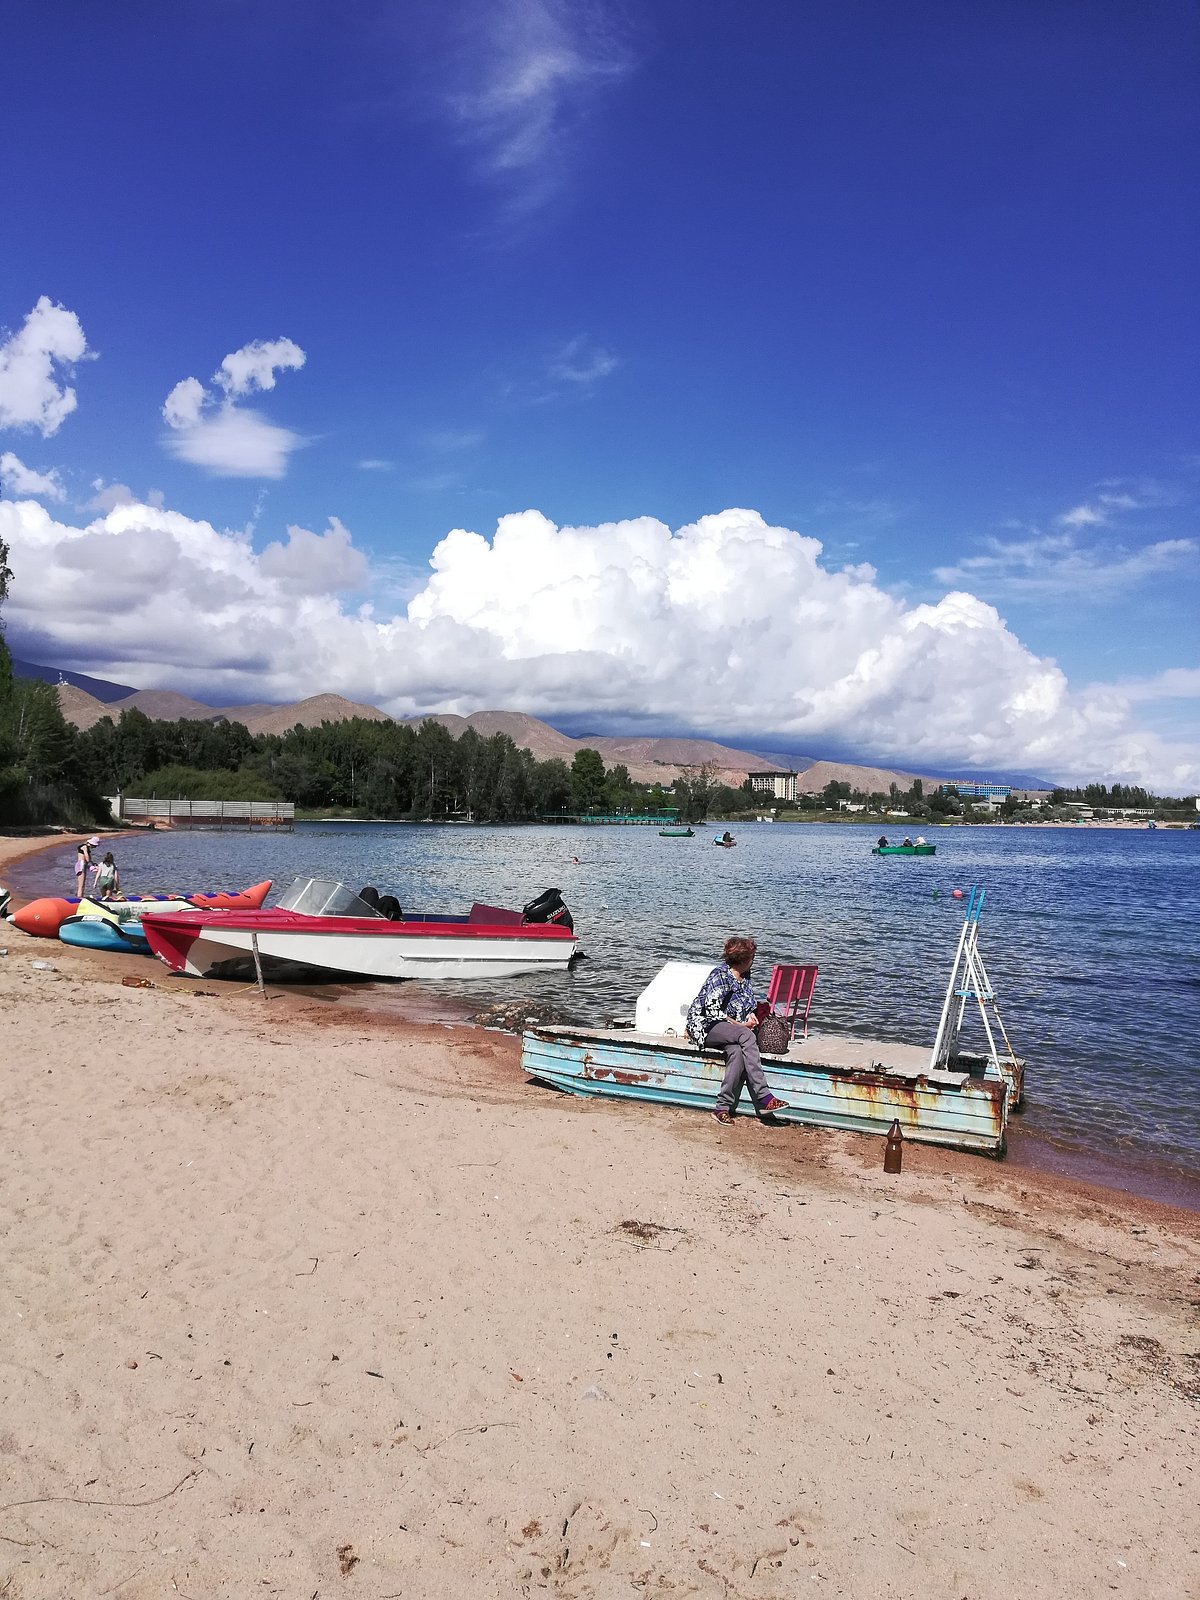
[(1092, 937)]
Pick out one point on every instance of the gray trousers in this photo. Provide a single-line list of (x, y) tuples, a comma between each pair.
[(742, 1063)]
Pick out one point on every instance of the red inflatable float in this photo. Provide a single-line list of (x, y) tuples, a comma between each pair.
[(46, 916)]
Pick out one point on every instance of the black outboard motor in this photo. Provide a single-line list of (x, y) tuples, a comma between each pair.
[(548, 907)]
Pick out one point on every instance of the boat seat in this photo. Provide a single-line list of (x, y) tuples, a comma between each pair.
[(492, 914), (790, 996)]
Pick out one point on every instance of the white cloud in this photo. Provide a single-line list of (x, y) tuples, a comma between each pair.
[(581, 363), (374, 464), (723, 624), (227, 439), (254, 366), (107, 496), (1059, 566), (31, 393), (1176, 683), (528, 78), (315, 563), (18, 479)]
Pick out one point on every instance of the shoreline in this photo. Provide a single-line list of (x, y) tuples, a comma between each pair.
[(1129, 1175), (332, 1293)]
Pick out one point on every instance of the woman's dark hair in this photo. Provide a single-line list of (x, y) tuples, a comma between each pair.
[(739, 953)]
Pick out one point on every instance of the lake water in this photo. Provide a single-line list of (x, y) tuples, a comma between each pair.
[(1091, 937)]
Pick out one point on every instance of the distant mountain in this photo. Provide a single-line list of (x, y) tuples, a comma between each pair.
[(99, 688), (163, 705), (310, 713), (80, 708), (867, 780), (649, 759)]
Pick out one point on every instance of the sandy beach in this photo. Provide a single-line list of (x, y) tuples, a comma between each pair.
[(300, 1301)]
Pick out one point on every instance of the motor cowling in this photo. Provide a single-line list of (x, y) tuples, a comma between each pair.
[(549, 907)]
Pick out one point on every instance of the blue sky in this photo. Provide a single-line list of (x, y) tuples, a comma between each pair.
[(916, 282)]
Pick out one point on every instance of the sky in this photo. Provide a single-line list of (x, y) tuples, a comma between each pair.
[(821, 376)]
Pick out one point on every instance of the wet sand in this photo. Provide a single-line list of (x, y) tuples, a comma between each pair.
[(305, 1300)]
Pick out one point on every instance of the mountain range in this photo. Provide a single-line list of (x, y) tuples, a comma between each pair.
[(85, 701)]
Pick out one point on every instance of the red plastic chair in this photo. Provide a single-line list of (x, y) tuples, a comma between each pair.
[(790, 996)]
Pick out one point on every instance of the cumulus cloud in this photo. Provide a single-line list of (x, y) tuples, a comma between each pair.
[(106, 496), (315, 563), (32, 394), (721, 625), (531, 73), (19, 479), (227, 439)]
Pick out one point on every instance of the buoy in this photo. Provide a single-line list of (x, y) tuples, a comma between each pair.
[(956, 894)]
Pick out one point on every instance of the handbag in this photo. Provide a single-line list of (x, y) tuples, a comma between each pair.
[(774, 1035)]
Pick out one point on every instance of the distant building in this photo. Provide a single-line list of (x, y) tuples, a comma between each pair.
[(973, 790), (780, 784), (1032, 797)]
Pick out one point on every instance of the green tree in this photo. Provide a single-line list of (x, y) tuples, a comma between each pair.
[(587, 780)]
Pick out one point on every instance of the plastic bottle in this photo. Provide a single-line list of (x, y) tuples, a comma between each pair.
[(893, 1152)]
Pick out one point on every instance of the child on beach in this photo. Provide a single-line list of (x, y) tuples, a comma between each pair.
[(108, 879)]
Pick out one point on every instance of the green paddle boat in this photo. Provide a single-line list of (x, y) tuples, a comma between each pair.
[(904, 850), (675, 833)]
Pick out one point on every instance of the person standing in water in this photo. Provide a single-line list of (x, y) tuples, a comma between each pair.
[(83, 860), (723, 1015)]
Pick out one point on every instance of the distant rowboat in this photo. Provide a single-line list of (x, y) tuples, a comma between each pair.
[(675, 833), (904, 850)]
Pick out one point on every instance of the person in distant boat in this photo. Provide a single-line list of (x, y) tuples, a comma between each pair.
[(723, 1016), (907, 842), (108, 879), (882, 840), (727, 839), (920, 838), (83, 860)]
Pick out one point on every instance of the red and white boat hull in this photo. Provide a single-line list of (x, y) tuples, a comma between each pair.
[(198, 942)]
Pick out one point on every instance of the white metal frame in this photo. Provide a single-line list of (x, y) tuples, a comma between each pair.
[(968, 981)]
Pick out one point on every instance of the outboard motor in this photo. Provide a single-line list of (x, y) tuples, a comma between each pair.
[(548, 907)]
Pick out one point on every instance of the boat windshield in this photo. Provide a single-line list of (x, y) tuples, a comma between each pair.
[(322, 897)]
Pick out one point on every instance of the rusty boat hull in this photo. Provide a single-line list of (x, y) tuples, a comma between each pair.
[(828, 1081)]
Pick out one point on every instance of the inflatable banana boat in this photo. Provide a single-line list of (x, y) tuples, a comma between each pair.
[(46, 916)]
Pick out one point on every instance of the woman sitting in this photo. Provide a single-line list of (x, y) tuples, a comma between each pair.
[(723, 1015)]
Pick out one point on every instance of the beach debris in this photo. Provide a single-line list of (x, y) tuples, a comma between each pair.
[(43, 966), (347, 1560), (594, 1393), (131, 1363), (893, 1150), (4, 951), (517, 1015), (130, 982)]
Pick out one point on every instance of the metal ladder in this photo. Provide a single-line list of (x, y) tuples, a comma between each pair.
[(968, 981)]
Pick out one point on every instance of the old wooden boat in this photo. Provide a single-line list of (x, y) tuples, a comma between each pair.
[(951, 1096), (827, 1080)]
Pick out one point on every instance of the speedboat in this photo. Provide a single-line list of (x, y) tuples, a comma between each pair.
[(323, 924)]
